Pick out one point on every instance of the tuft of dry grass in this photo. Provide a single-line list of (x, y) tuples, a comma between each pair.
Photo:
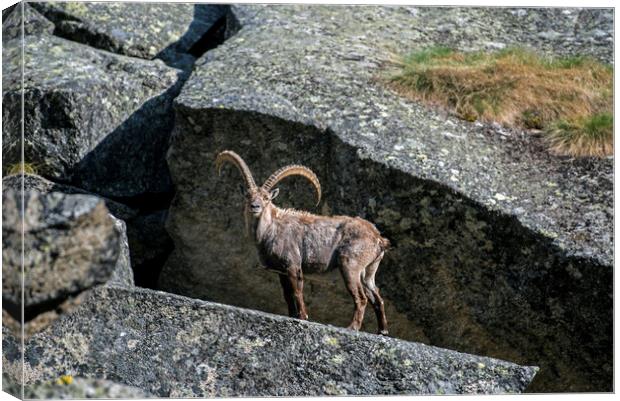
[(18, 168), (586, 136), (570, 98)]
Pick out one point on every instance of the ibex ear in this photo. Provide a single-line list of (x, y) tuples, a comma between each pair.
[(242, 189), (273, 194)]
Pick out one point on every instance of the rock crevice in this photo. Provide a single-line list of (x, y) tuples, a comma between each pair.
[(98, 102)]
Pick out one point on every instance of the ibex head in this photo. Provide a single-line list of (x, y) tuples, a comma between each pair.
[(259, 199)]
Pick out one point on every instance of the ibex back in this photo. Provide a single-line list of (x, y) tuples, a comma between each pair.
[(294, 242)]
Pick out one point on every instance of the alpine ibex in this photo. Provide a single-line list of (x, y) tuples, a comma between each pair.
[(293, 241)]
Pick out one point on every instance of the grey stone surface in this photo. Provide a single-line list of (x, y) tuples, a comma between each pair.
[(37, 183), (10, 19), (79, 388), (146, 236), (11, 360), (173, 346), (33, 23), (71, 244), (44, 251), (94, 119), (162, 30), (44, 316), (499, 248)]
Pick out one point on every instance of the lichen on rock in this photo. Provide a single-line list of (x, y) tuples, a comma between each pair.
[(163, 30), (90, 116), (33, 23), (172, 348)]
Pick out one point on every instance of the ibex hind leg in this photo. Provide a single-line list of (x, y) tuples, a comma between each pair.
[(351, 273), (372, 292)]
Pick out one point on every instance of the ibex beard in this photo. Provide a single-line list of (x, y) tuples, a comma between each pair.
[(293, 242)]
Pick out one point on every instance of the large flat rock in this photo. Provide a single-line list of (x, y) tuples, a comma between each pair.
[(499, 248), (162, 30), (322, 74), (91, 118), (172, 346)]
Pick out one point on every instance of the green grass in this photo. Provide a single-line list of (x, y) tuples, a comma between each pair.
[(591, 135), (428, 55), (517, 87)]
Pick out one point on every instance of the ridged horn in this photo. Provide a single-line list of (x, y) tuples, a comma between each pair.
[(294, 169), (232, 157)]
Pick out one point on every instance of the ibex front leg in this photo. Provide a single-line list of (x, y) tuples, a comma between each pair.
[(289, 295), (296, 280)]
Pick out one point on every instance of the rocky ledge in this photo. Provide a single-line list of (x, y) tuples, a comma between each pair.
[(171, 32), (179, 347), (499, 248)]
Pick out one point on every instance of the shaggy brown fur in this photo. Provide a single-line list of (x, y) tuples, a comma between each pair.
[(293, 242)]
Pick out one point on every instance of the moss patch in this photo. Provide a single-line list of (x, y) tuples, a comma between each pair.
[(569, 98)]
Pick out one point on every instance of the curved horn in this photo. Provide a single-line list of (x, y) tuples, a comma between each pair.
[(232, 157), (294, 169)]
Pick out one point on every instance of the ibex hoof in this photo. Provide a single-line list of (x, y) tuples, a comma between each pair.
[(383, 332)]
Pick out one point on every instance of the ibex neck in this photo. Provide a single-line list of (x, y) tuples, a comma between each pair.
[(264, 224)]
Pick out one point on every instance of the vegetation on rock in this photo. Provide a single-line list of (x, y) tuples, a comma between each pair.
[(569, 98), (591, 135), (18, 168)]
